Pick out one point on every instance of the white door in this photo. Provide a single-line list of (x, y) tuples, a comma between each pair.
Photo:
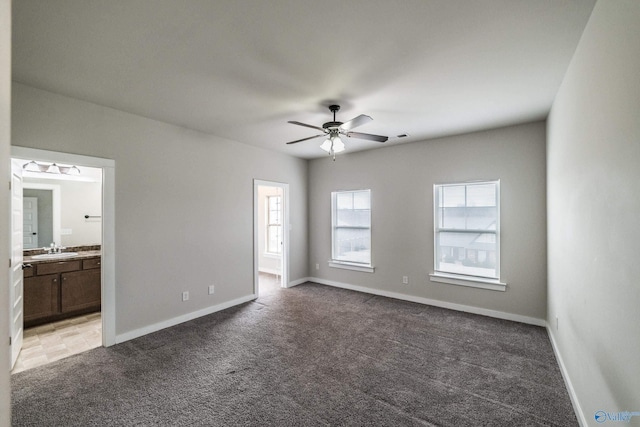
[(16, 277), (30, 222)]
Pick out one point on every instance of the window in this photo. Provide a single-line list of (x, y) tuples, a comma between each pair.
[(351, 228), (467, 226), (274, 224)]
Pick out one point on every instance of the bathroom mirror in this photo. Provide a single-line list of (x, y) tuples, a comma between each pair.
[(56, 210)]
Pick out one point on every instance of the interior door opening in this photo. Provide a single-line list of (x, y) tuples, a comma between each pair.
[(270, 236), (67, 268)]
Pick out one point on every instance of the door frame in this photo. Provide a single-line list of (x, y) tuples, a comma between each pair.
[(285, 232), (108, 226)]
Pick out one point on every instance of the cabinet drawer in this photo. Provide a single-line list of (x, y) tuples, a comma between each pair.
[(90, 263), (57, 267), (28, 272)]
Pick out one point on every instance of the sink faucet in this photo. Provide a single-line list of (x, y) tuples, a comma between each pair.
[(54, 249)]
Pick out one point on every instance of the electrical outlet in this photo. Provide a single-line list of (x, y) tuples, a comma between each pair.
[(405, 280), (185, 296), (317, 266), (557, 323), (211, 289)]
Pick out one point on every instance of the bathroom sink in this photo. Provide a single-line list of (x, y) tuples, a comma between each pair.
[(55, 256)]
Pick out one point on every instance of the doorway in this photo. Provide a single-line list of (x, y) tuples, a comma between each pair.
[(105, 229), (61, 295), (271, 235)]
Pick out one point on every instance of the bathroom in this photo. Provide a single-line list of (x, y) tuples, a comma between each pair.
[(62, 237)]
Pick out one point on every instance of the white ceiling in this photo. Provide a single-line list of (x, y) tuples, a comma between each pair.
[(240, 69)]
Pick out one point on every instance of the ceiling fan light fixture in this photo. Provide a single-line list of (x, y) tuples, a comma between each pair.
[(326, 145), (338, 145), (333, 144)]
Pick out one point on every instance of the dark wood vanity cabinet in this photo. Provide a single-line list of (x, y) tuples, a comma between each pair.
[(80, 290), (41, 297), (53, 291)]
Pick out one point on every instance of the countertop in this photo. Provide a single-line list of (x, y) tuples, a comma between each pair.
[(81, 255)]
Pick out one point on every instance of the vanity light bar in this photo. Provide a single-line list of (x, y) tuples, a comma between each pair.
[(53, 168)]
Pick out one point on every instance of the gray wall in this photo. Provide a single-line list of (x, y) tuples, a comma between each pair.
[(401, 179), (593, 205), (5, 135), (184, 202)]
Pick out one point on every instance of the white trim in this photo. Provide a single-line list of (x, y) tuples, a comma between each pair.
[(284, 262), (108, 262), (299, 282), (349, 266), (580, 415), (470, 281), (436, 188), (333, 259), (437, 303), (57, 156), (136, 333)]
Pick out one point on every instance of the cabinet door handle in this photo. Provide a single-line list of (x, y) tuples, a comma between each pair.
[(55, 280), (26, 266)]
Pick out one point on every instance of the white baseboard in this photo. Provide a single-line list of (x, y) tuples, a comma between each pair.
[(582, 420), (436, 303), (136, 333), (299, 282)]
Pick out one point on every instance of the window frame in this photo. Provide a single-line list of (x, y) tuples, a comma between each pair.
[(461, 279), (269, 224), (348, 264)]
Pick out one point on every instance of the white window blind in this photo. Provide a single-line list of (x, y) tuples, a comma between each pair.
[(351, 226), (467, 227)]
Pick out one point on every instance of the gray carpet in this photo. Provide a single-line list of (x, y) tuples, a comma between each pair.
[(306, 356)]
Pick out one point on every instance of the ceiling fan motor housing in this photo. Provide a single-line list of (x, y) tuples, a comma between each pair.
[(331, 125)]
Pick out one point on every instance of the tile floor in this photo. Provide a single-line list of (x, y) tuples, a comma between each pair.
[(54, 341)]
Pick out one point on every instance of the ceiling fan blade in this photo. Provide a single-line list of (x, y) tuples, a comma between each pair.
[(304, 139), (358, 121), (306, 125), (378, 138)]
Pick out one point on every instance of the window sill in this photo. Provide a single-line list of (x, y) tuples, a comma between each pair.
[(475, 282), (350, 266)]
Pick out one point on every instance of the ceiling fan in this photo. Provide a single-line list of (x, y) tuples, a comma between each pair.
[(332, 130)]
